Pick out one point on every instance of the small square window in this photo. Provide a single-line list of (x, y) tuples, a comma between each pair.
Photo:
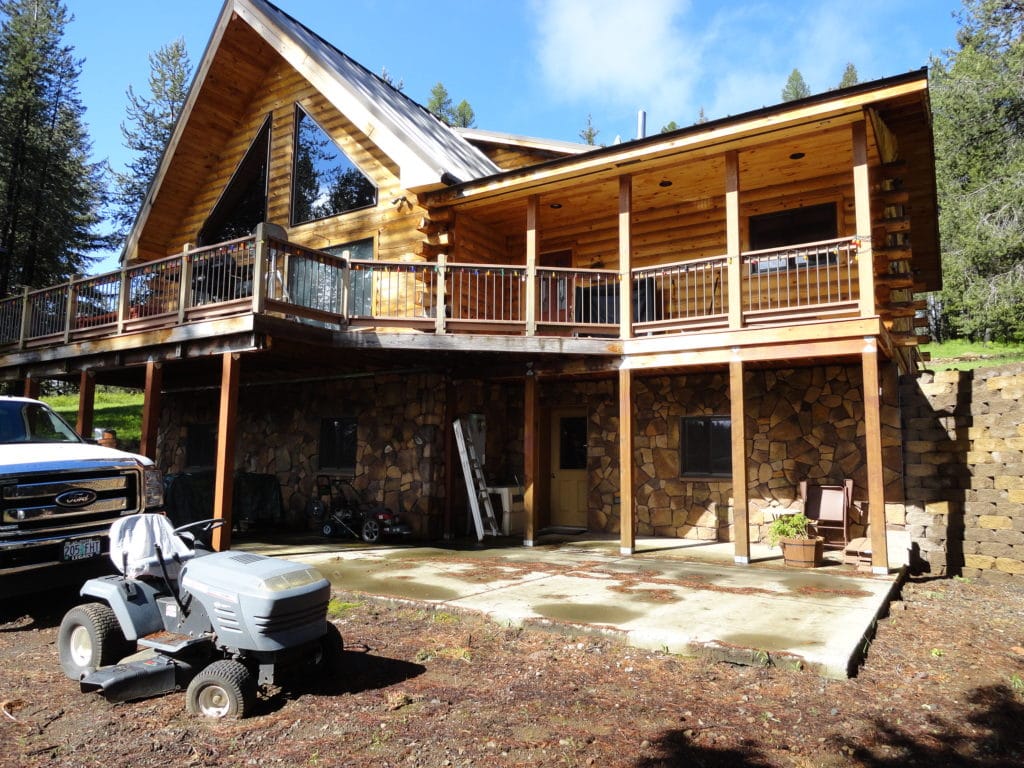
[(338, 443), (705, 446), (200, 445)]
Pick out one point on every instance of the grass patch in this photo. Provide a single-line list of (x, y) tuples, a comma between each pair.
[(336, 607), (117, 409), (966, 355)]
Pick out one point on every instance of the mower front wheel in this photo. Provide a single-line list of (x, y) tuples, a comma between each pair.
[(371, 531), (328, 529), (224, 689), (90, 638)]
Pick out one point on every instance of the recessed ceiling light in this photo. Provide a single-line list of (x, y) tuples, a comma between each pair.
[(797, 156), (556, 205), (664, 183)]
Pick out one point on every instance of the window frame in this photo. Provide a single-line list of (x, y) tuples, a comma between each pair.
[(340, 451)]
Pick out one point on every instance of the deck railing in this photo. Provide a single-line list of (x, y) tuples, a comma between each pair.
[(274, 277)]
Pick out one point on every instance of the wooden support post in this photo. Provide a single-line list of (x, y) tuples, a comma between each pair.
[(31, 387), (260, 283), (532, 251), (124, 294), (86, 403), (151, 409), (740, 517), (449, 454), (26, 318), (873, 452), (531, 448), (734, 258), (70, 309), (440, 296), (625, 257), (627, 522), (862, 205), (185, 292), (224, 469)]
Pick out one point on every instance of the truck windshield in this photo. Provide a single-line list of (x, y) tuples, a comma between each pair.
[(22, 422)]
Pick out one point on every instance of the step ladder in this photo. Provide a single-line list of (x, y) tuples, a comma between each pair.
[(476, 484)]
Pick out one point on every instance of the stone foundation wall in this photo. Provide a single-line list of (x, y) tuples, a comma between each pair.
[(965, 472)]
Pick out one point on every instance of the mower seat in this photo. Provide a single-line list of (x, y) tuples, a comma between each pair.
[(133, 546)]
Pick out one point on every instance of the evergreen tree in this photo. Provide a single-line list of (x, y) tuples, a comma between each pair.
[(978, 103), (148, 129), (850, 76), (701, 117), (795, 88), (440, 104), (589, 132), (50, 194), (669, 126)]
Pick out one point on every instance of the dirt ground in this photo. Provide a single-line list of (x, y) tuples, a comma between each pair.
[(943, 685)]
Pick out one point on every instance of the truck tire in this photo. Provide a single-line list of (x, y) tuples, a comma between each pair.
[(226, 688), (371, 531), (90, 638)]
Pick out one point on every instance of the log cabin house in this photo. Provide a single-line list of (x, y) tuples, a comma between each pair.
[(665, 336)]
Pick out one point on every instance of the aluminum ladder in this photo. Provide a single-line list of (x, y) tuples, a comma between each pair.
[(476, 483)]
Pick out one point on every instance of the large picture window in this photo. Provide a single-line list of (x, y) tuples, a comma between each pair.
[(325, 182), (338, 443), (243, 204), (705, 446)]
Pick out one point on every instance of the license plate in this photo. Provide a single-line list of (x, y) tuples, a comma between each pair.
[(82, 549)]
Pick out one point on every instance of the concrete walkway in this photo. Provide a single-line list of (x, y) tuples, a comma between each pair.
[(675, 596)]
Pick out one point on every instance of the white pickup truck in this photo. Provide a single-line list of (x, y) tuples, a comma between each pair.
[(59, 494)]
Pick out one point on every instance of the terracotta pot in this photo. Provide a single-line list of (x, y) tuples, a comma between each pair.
[(803, 553)]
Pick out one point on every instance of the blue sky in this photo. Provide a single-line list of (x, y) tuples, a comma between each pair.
[(540, 67)]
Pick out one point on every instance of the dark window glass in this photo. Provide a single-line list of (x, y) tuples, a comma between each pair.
[(200, 445), (338, 443), (706, 446), (360, 297), (243, 204), (324, 181), (809, 224), (572, 442)]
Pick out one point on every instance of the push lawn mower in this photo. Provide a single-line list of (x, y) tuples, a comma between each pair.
[(220, 623), (347, 512)]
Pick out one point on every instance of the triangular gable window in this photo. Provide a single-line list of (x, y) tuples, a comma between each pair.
[(243, 203), (324, 181)]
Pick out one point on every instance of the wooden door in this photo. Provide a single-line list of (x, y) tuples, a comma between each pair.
[(569, 468)]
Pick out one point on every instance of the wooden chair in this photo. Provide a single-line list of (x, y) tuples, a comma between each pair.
[(828, 506)]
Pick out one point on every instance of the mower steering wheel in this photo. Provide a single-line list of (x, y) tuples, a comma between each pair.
[(201, 526)]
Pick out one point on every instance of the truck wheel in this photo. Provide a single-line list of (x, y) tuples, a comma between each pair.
[(371, 531), (224, 689), (328, 529), (89, 638)]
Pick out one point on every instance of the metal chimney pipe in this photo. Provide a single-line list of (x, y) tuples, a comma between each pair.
[(641, 124)]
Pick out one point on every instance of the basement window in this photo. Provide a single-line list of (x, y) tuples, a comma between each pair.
[(338, 444), (200, 445), (325, 182), (705, 446)]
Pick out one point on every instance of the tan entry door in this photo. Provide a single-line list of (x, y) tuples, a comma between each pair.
[(569, 468)]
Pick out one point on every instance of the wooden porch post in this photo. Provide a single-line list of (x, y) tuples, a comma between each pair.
[(873, 451), (862, 205), (31, 387), (449, 454), (732, 238), (151, 409), (86, 403), (532, 250), (627, 522), (740, 521), (531, 468), (225, 464), (625, 250)]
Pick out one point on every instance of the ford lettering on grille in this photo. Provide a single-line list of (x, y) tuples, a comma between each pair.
[(77, 497)]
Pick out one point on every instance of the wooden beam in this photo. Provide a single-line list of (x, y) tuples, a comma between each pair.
[(740, 517), (450, 406), (732, 238), (873, 452), (627, 522), (151, 408), (625, 256), (862, 204), (224, 468), (532, 251), (86, 403), (531, 453), (31, 387)]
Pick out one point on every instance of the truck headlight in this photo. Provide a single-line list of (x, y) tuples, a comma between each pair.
[(291, 580), (152, 487)]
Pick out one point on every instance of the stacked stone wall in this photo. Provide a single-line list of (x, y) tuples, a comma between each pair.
[(965, 472)]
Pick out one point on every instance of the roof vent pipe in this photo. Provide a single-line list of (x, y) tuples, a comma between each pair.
[(641, 124)]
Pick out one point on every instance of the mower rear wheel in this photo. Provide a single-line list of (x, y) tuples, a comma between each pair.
[(328, 529), (226, 688), (90, 638), (371, 531)]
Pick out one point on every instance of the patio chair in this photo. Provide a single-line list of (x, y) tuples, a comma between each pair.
[(828, 506)]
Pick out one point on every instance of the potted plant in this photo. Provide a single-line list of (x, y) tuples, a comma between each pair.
[(799, 548)]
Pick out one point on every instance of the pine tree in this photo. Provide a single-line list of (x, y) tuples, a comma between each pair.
[(795, 88), (978, 103), (589, 132), (850, 76), (440, 104), (148, 128), (671, 125), (50, 194)]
